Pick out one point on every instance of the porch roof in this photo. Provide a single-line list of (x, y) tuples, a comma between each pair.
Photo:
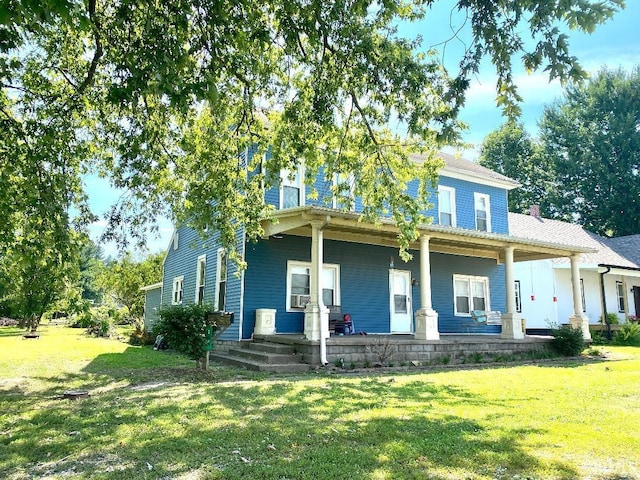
[(349, 227)]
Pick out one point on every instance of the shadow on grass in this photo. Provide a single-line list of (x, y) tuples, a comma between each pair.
[(12, 332), (280, 429)]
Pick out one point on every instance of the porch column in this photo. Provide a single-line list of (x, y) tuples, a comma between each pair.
[(316, 316), (511, 320), (426, 316), (578, 319)]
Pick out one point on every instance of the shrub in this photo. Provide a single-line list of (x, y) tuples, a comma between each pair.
[(629, 334), (567, 340), (611, 319), (185, 328)]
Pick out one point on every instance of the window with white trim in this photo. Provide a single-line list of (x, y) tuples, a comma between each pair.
[(201, 270), (221, 280), (344, 191), (174, 240), (292, 188), (177, 293), (518, 296), (447, 206), (584, 303), (299, 285), (470, 293), (482, 209), (620, 293)]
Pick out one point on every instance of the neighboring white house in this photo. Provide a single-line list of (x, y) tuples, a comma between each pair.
[(609, 278)]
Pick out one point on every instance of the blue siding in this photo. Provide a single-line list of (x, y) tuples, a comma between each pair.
[(152, 302), (184, 262), (364, 283), (465, 213), (465, 190)]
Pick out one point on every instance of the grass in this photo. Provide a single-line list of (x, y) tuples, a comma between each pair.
[(152, 415)]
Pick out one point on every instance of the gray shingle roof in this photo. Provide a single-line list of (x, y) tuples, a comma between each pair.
[(454, 164), (627, 246), (538, 228)]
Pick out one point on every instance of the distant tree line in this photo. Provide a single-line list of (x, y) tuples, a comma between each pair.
[(584, 167)]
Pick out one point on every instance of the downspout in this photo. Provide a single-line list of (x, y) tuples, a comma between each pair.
[(603, 301)]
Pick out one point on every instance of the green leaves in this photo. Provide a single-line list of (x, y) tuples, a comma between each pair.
[(166, 98)]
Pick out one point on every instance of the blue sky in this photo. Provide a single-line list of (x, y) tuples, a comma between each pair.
[(613, 45)]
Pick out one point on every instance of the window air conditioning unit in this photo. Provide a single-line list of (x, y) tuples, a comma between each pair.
[(299, 301)]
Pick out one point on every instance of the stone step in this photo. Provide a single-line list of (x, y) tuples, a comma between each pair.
[(263, 357), (259, 366), (270, 347)]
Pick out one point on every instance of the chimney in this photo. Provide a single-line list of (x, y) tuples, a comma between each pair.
[(534, 211)]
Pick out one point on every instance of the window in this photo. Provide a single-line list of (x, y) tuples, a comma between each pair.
[(470, 293), (299, 285), (178, 285), (200, 278), (482, 211), (221, 280), (447, 206), (518, 297), (174, 240), (292, 188), (620, 292), (584, 304), (344, 192)]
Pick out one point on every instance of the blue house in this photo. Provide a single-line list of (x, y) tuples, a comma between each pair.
[(315, 258)]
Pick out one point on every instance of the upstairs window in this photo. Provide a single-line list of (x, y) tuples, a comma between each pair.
[(178, 286), (345, 191), (447, 206), (292, 188), (482, 212), (470, 293), (200, 278)]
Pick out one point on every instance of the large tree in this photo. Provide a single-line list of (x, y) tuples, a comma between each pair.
[(512, 151), (122, 279), (592, 136), (165, 98)]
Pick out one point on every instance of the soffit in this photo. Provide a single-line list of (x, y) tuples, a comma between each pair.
[(456, 241)]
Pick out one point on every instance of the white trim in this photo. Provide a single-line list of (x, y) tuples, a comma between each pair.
[(477, 196), (325, 266), (178, 286), (200, 281), (469, 279), (219, 254), (154, 286), (174, 240), (452, 198), (469, 176), (297, 182)]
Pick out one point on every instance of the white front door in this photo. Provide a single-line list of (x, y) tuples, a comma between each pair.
[(400, 301)]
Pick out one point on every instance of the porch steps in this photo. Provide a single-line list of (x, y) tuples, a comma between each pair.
[(263, 357)]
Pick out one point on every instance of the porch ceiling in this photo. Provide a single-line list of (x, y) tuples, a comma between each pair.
[(348, 227)]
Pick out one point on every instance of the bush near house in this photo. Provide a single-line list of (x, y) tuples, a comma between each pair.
[(628, 334), (567, 340), (184, 328)]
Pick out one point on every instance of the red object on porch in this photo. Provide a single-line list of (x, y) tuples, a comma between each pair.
[(533, 297)]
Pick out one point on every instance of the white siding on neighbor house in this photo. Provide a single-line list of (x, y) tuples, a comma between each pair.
[(537, 280), (591, 283)]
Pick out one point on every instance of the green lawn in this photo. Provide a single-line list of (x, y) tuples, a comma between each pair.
[(152, 415)]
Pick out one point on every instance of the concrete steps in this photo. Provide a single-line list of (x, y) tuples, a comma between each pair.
[(263, 357)]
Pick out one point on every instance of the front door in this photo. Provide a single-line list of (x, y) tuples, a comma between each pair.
[(400, 301)]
